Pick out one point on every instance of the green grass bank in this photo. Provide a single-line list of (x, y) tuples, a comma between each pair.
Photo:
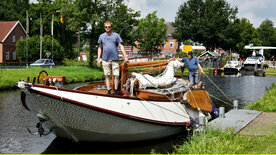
[(226, 142), (9, 77), (266, 103)]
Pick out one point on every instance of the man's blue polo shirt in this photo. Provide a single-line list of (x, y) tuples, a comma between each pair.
[(191, 63)]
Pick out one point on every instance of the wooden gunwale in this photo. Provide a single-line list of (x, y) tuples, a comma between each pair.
[(147, 66), (145, 63)]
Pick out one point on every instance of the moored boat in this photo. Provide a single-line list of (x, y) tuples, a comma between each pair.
[(146, 108), (232, 66)]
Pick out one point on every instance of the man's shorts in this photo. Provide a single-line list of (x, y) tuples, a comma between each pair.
[(111, 64), (194, 77)]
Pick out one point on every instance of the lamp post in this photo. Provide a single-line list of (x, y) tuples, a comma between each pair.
[(41, 29)]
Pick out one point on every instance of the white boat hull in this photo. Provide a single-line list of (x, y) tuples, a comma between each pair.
[(90, 117)]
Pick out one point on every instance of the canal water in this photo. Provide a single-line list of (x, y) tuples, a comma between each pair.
[(14, 137)]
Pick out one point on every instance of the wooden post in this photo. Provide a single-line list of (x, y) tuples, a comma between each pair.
[(123, 75)]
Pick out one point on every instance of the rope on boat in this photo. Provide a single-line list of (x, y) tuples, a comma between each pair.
[(161, 106), (170, 100), (193, 97), (59, 93), (218, 88), (167, 109), (198, 109), (220, 100), (167, 98), (163, 94)]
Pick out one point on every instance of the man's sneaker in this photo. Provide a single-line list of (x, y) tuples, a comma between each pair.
[(109, 92)]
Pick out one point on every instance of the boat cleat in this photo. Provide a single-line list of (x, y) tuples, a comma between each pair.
[(22, 84)]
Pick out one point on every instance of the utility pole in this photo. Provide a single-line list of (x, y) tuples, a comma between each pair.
[(40, 36), (79, 43), (41, 29)]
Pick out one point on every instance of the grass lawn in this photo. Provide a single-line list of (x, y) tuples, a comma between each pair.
[(270, 72), (9, 77)]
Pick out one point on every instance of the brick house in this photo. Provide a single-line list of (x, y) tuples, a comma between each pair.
[(171, 46), (10, 33)]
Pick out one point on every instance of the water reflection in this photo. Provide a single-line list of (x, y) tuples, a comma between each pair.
[(63, 146), (237, 74), (14, 118)]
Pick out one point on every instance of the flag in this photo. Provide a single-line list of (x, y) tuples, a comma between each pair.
[(52, 25), (27, 21), (61, 19)]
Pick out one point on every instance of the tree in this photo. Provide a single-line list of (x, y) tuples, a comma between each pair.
[(204, 21), (151, 34), (14, 10), (65, 37), (124, 19), (267, 36), (33, 48), (247, 34)]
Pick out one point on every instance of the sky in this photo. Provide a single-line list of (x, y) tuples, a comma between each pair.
[(254, 10)]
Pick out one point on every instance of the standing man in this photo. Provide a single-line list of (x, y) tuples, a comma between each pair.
[(108, 45), (192, 65)]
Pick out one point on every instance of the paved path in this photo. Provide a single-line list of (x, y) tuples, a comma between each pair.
[(263, 125)]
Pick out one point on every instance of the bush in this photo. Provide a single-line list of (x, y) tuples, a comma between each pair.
[(34, 48), (181, 54)]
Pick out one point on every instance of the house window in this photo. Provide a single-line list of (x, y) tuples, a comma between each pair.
[(163, 45), (14, 55), (13, 38), (171, 44), (21, 37), (7, 55)]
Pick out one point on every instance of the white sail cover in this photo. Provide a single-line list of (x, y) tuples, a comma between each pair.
[(164, 79)]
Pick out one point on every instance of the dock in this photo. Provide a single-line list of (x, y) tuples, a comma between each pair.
[(236, 119), (246, 122)]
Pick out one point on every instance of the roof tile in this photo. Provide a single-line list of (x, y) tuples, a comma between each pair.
[(5, 27)]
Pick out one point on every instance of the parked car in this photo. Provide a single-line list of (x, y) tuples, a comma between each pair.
[(43, 63)]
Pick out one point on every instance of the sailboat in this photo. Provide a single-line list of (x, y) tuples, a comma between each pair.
[(147, 107)]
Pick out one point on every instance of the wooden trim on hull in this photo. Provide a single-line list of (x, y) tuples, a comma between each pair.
[(101, 94), (105, 110)]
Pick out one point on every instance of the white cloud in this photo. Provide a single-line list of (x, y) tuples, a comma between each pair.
[(256, 11), (33, 1), (165, 8)]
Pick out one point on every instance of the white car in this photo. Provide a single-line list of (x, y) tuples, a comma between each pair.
[(43, 63)]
